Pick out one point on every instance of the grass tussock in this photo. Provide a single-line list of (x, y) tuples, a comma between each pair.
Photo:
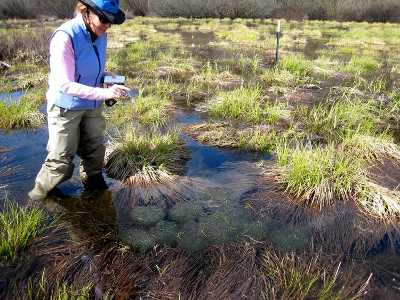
[(20, 115), (316, 176), (247, 104), (150, 110), (141, 159)]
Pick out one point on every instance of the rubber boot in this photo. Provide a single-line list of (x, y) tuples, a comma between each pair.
[(95, 182)]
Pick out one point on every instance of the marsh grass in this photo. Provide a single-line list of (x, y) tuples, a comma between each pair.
[(320, 153), (63, 291), (19, 227), (370, 148), (350, 114), (149, 110), (213, 74), (261, 142), (379, 203), (296, 277), (141, 158), (245, 103), (297, 66), (20, 115), (317, 176)]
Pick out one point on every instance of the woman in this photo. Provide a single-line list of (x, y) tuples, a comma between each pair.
[(75, 96)]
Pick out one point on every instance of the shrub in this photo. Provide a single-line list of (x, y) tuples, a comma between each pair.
[(212, 9), (31, 45), (137, 7), (33, 8)]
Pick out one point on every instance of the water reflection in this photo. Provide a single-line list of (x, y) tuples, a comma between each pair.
[(25, 153), (10, 98), (92, 216)]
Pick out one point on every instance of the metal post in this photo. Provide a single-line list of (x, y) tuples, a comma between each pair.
[(278, 31)]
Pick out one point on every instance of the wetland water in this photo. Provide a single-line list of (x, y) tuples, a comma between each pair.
[(215, 182), (221, 199)]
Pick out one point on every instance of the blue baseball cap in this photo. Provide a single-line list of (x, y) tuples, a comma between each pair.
[(109, 9)]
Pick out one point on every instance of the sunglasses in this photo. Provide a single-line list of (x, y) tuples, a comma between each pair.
[(103, 20)]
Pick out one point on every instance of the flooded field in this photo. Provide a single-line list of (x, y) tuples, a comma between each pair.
[(227, 224)]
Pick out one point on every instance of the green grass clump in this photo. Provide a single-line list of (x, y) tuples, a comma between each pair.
[(297, 66), (18, 227), (146, 110), (258, 141), (20, 115), (39, 288), (295, 276), (317, 176), (141, 158), (245, 103), (347, 116)]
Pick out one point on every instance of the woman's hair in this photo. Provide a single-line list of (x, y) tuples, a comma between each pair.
[(81, 8), (84, 10)]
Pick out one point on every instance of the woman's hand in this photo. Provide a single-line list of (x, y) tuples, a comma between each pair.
[(117, 91)]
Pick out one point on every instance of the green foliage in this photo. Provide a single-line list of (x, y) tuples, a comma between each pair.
[(141, 157), (147, 110), (346, 116), (318, 175), (19, 226), (20, 115), (245, 103), (38, 288)]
